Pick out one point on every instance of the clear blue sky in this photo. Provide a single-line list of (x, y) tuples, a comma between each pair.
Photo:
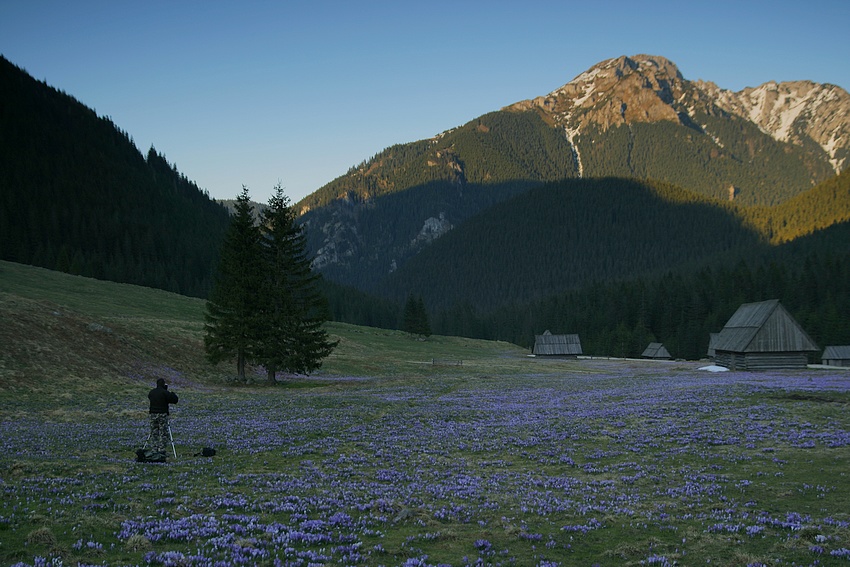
[(257, 93)]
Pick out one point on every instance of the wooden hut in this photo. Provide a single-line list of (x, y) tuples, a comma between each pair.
[(656, 351), (712, 340), (836, 356), (548, 344), (763, 336)]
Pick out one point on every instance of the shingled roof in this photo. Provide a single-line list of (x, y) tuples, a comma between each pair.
[(837, 352), (556, 345), (765, 326), (656, 350)]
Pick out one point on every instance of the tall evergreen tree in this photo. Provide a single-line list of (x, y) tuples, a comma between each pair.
[(415, 317), (423, 326), (408, 316), (292, 337), (233, 307)]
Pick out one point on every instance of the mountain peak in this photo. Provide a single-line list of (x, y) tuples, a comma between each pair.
[(650, 88), (624, 90), (640, 64)]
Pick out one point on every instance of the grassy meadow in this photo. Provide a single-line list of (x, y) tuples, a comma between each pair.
[(489, 457)]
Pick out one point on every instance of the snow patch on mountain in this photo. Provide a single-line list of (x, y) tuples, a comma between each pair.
[(831, 146), (775, 111), (793, 111), (572, 134)]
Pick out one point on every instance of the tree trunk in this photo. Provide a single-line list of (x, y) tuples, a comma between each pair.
[(240, 367), (272, 373)]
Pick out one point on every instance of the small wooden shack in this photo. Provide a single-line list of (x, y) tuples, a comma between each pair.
[(763, 336), (656, 351), (836, 355), (712, 341), (547, 344)]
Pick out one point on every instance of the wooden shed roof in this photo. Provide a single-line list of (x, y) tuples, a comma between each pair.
[(549, 344), (836, 353), (656, 350), (765, 326)]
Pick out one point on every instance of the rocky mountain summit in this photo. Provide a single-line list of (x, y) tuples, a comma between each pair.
[(617, 91), (646, 88)]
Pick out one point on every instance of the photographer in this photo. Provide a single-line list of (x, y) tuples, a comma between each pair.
[(160, 399)]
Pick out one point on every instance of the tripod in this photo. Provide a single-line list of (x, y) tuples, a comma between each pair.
[(170, 436)]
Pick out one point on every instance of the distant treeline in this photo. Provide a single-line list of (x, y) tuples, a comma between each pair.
[(679, 309), (563, 236)]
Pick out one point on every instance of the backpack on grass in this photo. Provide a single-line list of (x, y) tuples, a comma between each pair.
[(150, 456)]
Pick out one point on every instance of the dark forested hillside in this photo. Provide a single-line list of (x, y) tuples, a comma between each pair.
[(811, 277), (636, 262), (564, 235), (77, 196)]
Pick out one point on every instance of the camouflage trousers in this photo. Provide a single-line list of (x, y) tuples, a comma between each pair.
[(159, 431)]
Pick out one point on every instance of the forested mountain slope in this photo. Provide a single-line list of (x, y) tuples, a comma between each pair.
[(565, 235), (365, 224), (821, 207), (631, 117), (76, 195)]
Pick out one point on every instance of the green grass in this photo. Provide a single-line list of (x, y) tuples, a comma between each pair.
[(505, 458), (69, 317)]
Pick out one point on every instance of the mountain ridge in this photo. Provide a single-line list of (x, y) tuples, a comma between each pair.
[(646, 88), (628, 117)]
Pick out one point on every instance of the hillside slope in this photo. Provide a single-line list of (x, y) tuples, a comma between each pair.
[(565, 235), (77, 196), (73, 341)]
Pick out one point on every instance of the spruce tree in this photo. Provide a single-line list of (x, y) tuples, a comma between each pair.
[(408, 317), (233, 308), (423, 326), (292, 337), (415, 317)]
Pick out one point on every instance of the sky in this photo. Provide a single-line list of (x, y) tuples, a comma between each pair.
[(260, 93)]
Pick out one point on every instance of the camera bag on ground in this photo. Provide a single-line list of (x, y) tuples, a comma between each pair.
[(206, 452), (150, 456)]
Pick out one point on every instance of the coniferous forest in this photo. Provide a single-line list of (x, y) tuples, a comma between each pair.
[(77, 196), (622, 260)]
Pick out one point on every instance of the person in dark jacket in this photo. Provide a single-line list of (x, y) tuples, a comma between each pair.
[(160, 399)]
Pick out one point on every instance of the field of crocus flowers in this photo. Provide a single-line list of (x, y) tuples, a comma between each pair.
[(386, 459), (588, 462)]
